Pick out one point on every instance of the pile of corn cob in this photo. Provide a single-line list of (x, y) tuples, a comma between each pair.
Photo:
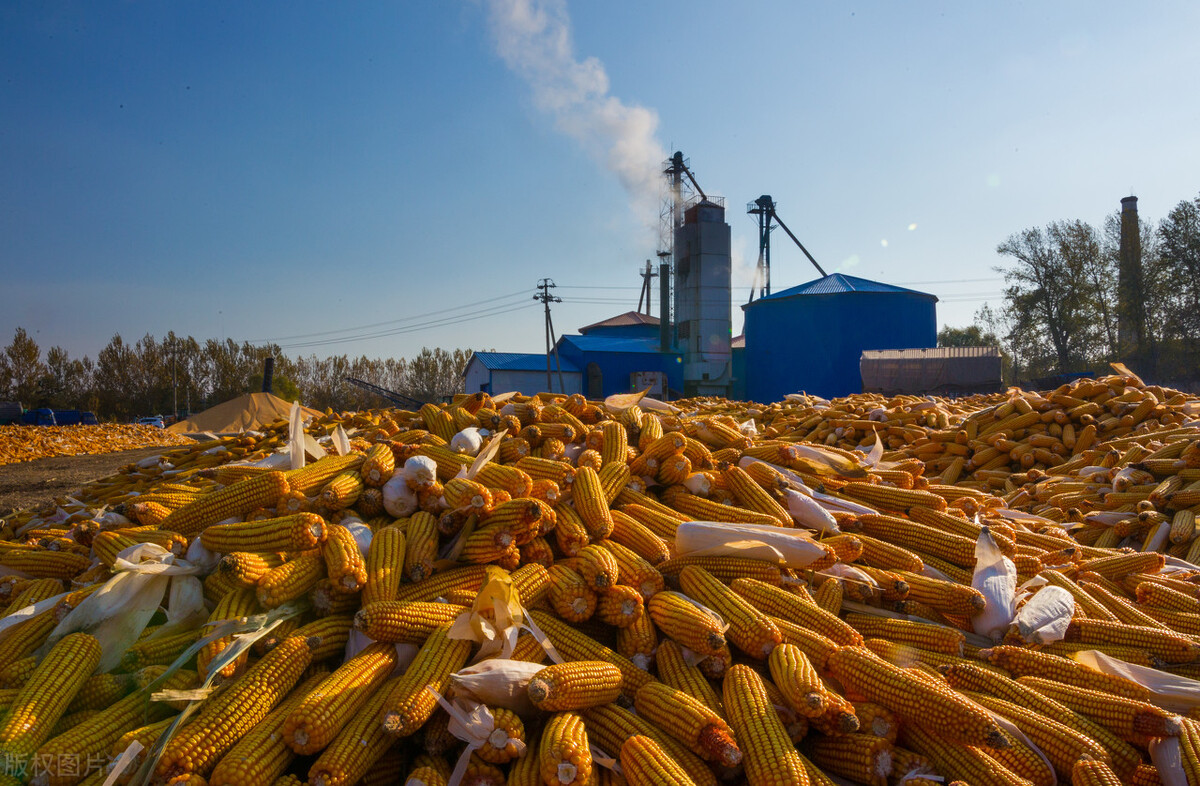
[(417, 614), (25, 443)]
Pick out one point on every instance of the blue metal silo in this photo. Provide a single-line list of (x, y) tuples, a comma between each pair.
[(810, 337)]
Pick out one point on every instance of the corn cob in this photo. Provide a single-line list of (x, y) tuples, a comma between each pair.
[(239, 603), (858, 757), (769, 757), (420, 546), (750, 629), (797, 680), (751, 496), (570, 596), (575, 685), (574, 645), (1127, 718), (297, 532), (43, 700), (532, 583), (597, 567), (378, 466), (409, 704), (638, 538), (690, 721), (926, 636), (701, 509), (290, 580), (633, 571), (157, 650), (344, 562), (405, 622), (969, 763), (591, 504), (469, 578), (384, 565), (261, 490), (780, 603), (674, 670), (44, 564), (660, 520), (1021, 662), (693, 625), (330, 635), (645, 763), (342, 491), (608, 728), (726, 569), (216, 728), (1170, 647), (1062, 745), (638, 641), (502, 742), (620, 606), (315, 721), (563, 755), (919, 538), (359, 744)]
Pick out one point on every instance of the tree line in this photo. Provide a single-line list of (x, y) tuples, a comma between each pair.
[(1063, 312), (157, 376)]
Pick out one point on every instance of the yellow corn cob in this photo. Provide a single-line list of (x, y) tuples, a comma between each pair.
[(43, 700), (972, 677), (1062, 745), (469, 578), (750, 629), (619, 606), (406, 622), (829, 597), (507, 731), (378, 466), (43, 564), (570, 533), (384, 565), (408, 704), (258, 491), (633, 571), (778, 602), (688, 622), (881, 554), (608, 728), (1021, 662), (955, 549), (343, 561), (570, 596), (613, 478), (316, 720), (638, 538), (945, 596), (17, 673), (591, 504), (1170, 647), (262, 755), (597, 567), (575, 685), (297, 532), (290, 580), (461, 493), (223, 720), (614, 445), (515, 481), (1097, 773), (331, 634), (420, 546), (638, 641), (797, 680), (107, 545), (662, 521), (1127, 718), (769, 758), (727, 569), (532, 582), (33, 592), (861, 758), (967, 762), (645, 763), (244, 568), (574, 645), (674, 670), (754, 497), (239, 603), (701, 509), (876, 680), (359, 744), (689, 721), (1116, 567), (563, 755), (926, 636), (342, 491), (369, 504)]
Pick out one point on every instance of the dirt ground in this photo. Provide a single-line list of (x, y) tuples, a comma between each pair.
[(37, 482)]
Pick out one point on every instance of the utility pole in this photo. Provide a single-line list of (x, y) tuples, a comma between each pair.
[(174, 383), (646, 274), (546, 298)]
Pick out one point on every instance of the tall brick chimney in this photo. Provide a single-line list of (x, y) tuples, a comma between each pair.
[(1131, 301)]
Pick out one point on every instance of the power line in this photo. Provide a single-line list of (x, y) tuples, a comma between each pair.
[(388, 322), (492, 312)]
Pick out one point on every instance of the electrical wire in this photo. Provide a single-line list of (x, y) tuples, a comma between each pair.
[(452, 320), (409, 318)]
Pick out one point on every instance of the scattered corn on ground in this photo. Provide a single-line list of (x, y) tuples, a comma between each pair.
[(25, 443), (549, 613)]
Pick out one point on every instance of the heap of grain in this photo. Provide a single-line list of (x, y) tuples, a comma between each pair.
[(998, 590)]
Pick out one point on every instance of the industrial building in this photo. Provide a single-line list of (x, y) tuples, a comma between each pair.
[(808, 338)]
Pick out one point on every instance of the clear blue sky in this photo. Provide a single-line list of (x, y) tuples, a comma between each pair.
[(269, 170)]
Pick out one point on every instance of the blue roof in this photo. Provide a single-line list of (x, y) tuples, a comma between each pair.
[(602, 343), (520, 361), (839, 283)]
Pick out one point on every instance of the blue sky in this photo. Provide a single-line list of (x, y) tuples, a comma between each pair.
[(298, 171)]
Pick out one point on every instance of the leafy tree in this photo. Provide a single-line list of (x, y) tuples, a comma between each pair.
[(21, 368), (969, 336), (1178, 238), (1054, 296)]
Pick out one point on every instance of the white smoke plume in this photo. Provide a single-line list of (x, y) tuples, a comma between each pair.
[(533, 37)]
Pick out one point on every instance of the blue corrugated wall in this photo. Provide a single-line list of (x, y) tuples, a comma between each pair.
[(617, 366), (812, 343)]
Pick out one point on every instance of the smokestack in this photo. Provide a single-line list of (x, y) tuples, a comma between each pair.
[(268, 374), (1131, 304), (664, 307)]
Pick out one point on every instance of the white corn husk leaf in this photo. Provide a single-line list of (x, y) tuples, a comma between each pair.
[(807, 512), (468, 441), (339, 440), (498, 682), (296, 436), (118, 612), (1167, 757), (398, 499), (996, 577), (779, 545), (1172, 692), (486, 453), (419, 471), (1044, 617)]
